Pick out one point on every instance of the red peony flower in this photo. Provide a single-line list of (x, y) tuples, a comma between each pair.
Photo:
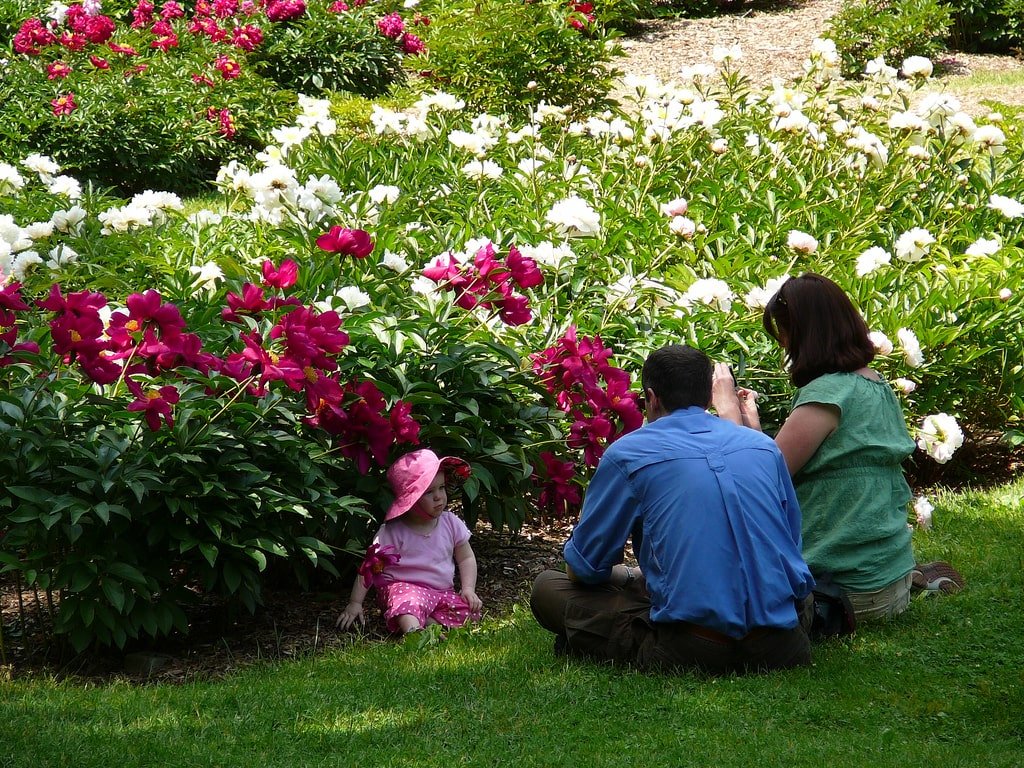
[(247, 38), (99, 63), (285, 10), (228, 67)]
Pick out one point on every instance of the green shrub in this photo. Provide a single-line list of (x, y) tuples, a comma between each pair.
[(892, 29), (140, 121), (995, 26), (505, 57), (325, 51)]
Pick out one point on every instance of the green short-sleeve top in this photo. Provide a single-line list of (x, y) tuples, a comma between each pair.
[(852, 492)]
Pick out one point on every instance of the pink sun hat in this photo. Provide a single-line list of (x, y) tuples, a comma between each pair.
[(412, 474)]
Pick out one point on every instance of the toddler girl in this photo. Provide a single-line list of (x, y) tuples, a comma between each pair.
[(413, 556)]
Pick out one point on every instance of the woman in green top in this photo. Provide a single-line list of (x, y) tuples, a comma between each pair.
[(844, 443)]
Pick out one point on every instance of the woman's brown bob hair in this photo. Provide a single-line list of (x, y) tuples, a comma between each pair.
[(818, 326)]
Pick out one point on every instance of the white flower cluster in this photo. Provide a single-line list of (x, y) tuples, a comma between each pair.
[(145, 209)]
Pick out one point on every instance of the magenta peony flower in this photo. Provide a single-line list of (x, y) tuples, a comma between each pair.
[(57, 70), (280, 277), (412, 45), (391, 26), (353, 242), (64, 105), (375, 564), (285, 10)]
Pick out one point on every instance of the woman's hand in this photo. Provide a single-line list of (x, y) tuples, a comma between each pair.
[(353, 612), (724, 395), (748, 408)]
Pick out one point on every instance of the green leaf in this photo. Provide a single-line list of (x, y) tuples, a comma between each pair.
[(114, 593)]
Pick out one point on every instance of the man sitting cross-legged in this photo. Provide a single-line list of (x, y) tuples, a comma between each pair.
[(715, 523)]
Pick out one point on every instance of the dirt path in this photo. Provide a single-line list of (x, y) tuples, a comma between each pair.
[(775, 42)]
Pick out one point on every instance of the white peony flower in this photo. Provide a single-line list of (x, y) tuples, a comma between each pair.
[(10, 179), (1007, 206), (65, 185), (547, 254), (205, 218), (711, 291), (872, 259), (917, 66), (722, 53), (394, 261), (351, 297), (574, 217), (801, 242), (39, 230), (68, 221), (982, 247), (880, 342), (758, 298), (425, 287), (991, 138), (482, 169), (905, 386), (61, 255), (939, 436), (911, 347), (673, 208), (923, 512), (44, 166), (682, 226), (205, 276), (913, 244), (384, 193)]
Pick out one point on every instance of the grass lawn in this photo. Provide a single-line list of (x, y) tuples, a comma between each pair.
[(941, 687)]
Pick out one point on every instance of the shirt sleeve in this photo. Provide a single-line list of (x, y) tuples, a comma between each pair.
[(610, 511), (824, 390), (459, 530)]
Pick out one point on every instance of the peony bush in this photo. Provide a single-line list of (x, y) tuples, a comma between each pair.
[(481, 284)]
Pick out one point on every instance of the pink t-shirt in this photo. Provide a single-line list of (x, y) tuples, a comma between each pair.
[(426, 558)]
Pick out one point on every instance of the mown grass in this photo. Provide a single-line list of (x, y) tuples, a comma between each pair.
[(941, 687)]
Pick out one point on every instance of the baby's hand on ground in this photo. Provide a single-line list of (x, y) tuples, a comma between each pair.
[(353, 612), (474, 602)]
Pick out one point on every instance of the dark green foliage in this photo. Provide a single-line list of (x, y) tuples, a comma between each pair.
[(995, 26), (505, 57), (893, 29), (126, 523), (323, 51)]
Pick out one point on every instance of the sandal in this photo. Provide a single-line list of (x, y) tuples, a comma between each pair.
[(935, 578)]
